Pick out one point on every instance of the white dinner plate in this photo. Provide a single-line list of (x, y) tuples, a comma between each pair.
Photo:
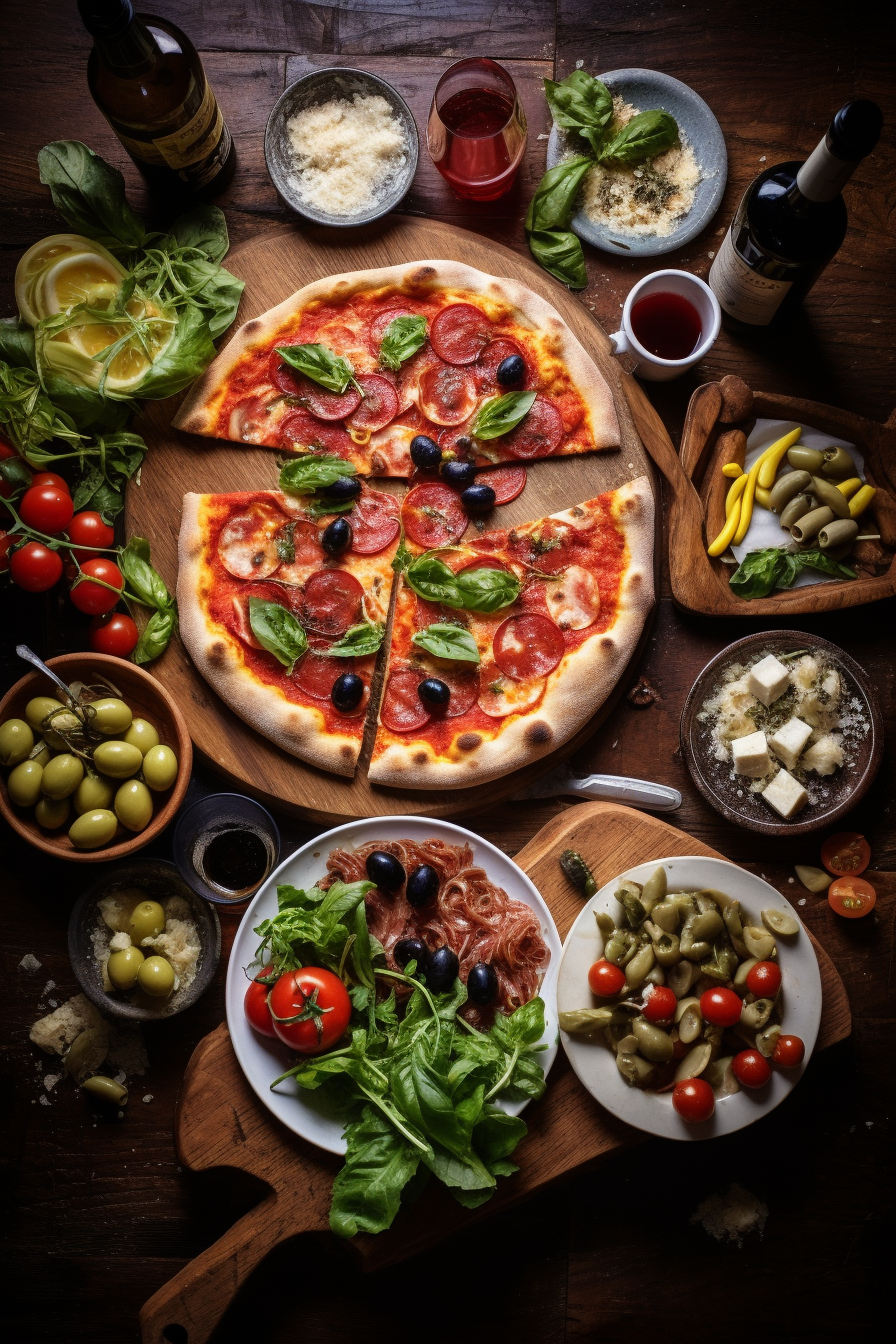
[(595, 1064), (262, 1059)]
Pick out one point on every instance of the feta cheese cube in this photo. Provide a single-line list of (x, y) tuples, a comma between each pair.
[(785, 794), (789, 740), (824, 756), (750, 755), (768, 679)]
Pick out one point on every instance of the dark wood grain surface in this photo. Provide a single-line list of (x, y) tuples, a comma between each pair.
[(97, 1214)]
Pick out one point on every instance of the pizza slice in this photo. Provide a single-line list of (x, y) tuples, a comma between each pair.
[(361, 364), (283, 609), (504, 646)]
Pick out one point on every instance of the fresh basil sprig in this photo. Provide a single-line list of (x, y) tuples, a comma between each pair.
[(278, 631), (561, 255), (644, 137), (316, 471), (483, 590), (547, 221), (146, 586), (581, 103), (501, 414), (404, 337), (448, 641), (358, 641), (319, 364), (761, 572)]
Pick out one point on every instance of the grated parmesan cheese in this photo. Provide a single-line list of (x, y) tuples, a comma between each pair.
[(347, 153), (732, 1216)]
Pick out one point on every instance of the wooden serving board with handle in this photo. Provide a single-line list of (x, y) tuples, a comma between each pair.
[(220, 1122), (273, 267)]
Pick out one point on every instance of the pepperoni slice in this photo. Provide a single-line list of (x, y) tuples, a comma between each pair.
[(538, 434), (447, 396), (379, 405), (402, 709), (408, 377), (573, 599), (246, 546), (459, 333), (433, 515), (486, 369), (502, 695), (379, 325), (375, 522), (527, 646), (457, 440), (332, 601), (428, 613), (464, 687), (321, 403), (300, 433), (249, 421), (507, 482), (309, 554), (551, 547), (315, 673)]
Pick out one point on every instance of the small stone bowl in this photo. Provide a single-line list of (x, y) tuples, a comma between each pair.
[(159, 880), (319, 87)]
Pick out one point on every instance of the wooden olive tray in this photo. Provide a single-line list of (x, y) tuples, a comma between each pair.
[(273, 267), (220, 1122), (697, 509)]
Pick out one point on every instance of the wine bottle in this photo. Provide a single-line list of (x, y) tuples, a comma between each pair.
[(146, 78), (791, 222)]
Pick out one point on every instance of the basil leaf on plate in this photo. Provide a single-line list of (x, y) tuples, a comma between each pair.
[(501, 414), (448, 641), (561, 255), (762, 572), (404, 337), (316, 471), (357, 642), (319, 364), (278, 631), (644, 137), (487, 589), (581, 103), (552, 204), (815, 558)]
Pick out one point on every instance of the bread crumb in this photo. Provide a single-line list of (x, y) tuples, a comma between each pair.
[(55, 1033), (119, 942), (733, 1216), (50, 1080), (29, 962), (148, 1097), (51, 984)]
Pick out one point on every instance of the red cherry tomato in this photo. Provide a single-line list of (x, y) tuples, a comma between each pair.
[(35, 567), (320, 1001), (115, 634), (764, 979), (751, 1069), (851, 897), (693, 1099), (606, 980), (846, 854), (789, 1052), (92, 598), (50, 478), (660, 1004), (720, 1007), (258, 1014), (46, 508), (89, 529)]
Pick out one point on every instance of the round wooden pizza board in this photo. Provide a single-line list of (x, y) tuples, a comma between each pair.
[(273, 267)]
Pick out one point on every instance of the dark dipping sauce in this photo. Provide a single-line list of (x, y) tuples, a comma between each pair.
[(235, 860)]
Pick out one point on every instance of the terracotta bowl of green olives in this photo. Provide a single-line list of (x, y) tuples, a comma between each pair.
[(102, 788)]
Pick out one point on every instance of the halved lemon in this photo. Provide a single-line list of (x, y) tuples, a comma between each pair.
[(45, 254), (76, 278), (130, 364)]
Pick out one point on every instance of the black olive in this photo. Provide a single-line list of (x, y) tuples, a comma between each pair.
[(384, 870), (478, 498), (423, 885), (410, 949), (434, 692), (344, 487), (336, 536), (463, 443), (347, 692), (510, 370), (441, 970), (459, 474), (425, 452), (482, 983)]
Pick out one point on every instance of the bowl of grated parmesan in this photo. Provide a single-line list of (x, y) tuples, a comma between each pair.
[(341, 147)]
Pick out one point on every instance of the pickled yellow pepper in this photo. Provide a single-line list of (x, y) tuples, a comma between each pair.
[(773, 456), (732, 518), (860, 500)]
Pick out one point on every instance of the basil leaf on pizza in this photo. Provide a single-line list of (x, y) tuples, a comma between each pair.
[(320, 508), (487, 589), (404, 337), (317, 471), (448, 641), (501, 415), (358, 641), (278, 631), (319, 364), (433, 580)]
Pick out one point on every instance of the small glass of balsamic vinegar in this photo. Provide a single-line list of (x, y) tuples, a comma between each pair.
[(477, 129), (225, 846)]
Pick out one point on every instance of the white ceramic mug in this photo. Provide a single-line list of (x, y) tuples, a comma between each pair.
[(693, 289)]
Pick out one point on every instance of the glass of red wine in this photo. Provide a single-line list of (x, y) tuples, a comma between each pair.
[(477, 129), (670, 320)]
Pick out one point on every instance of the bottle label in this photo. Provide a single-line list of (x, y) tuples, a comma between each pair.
[(742, 292), (197, 139)]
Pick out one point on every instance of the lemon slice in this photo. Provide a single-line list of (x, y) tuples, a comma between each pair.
[(71, 280), (130, 364), (43, 255)]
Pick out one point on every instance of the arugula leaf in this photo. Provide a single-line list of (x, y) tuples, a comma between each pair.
[(358, 641), (644, 137), (378, 1165), (552, 205), (560, 253), (89, 194), (304, 475), (500, 415), (362, 952), (319, 364), (278, 631), (404, 337), (581, 103), (761, 572), (448, 641)]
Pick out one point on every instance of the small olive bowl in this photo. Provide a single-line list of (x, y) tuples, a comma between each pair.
[(159, 879), (310, 91), (149, 700)]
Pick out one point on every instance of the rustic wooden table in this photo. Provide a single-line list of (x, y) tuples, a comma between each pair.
[(98, 1212)]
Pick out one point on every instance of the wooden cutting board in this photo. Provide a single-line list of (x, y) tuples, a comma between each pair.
[(220, 1122), (273, 267)]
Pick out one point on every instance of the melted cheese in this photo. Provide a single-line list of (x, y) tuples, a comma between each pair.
[(573, 600), (247, 545)]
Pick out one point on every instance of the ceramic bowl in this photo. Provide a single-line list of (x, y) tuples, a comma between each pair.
[(319, 87), (651, 90)]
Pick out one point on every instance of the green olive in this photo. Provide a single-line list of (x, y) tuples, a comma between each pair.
[(805, 459), (838, 533), (160, 768), (827, 493), (133, 805), (106, 1088), (94, 791), (24, 783), (51, 813), (93, 829), (156, 977), (811, 523), (124, 967), (147, 921), (16, 740), (783, 490), (42, 755), (62, 776), (838, 464), (142, 735), (63, 721), (792, 512), (110, 716), (86, 1052), (37, 709), (118, 759)]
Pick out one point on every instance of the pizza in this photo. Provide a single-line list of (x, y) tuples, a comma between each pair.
[(359, 365)]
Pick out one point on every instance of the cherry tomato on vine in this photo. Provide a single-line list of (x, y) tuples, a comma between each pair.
[(720, 1007), (115, 633), (659, 1006), (764, 979), (846, 854), (606, 980), (693, 1099), (89, 529), (320, 1002), (35, 567), (751, 1069), (851, 897), (50, 478), (789, 1052), (92, 598), (46, 508), (258, 1014)]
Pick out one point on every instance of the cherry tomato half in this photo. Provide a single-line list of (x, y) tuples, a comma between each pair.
[(751, 1069), (693, 1099), (660, 1004), (851, 897), (92, 598), (320, 1002), (89, 529), (606, 980), (846, 854), (50, 478), (46, 508), (35, 567), (721, 1007), (115, 634), (258, 1014), (764, 979), (789, 1052)]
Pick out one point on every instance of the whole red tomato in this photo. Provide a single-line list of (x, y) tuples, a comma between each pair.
[(35, 567), (89, 529), (92, 598), (115, 633), (694, 1100), (751, 1069), (789, 1052), (50, 478), (606, 980), (258, 1014), (311, 1009), (660, 1004), (764, 979), (46, 508), (720, 1007)]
